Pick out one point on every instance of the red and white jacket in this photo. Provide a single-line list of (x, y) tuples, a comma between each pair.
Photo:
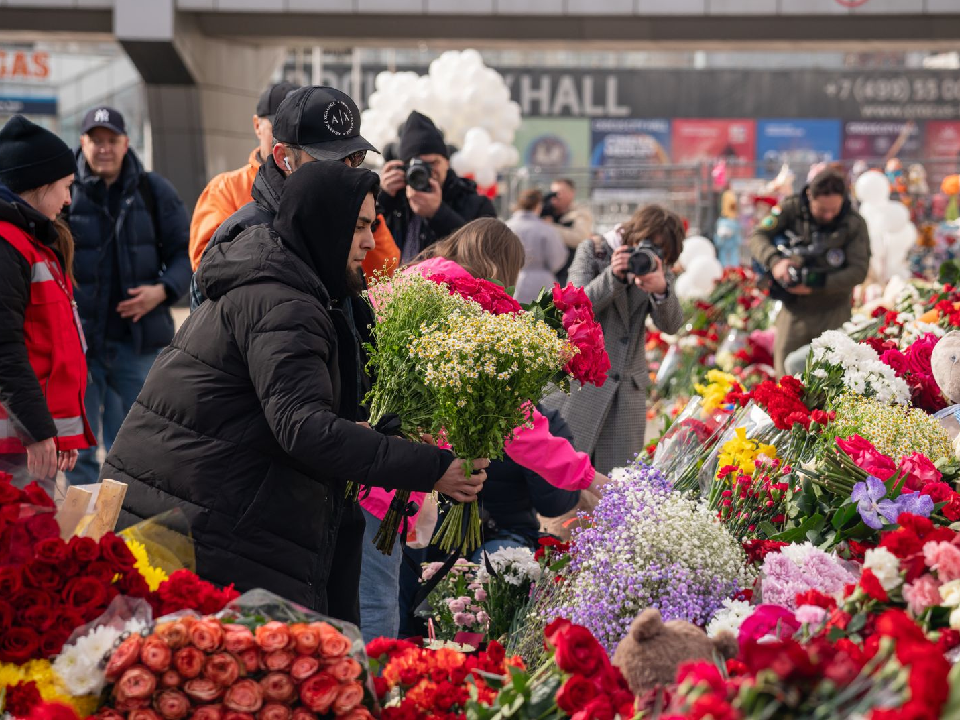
[(54, 340)]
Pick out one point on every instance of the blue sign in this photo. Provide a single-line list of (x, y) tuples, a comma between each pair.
[(621, 141), (798, 142), (13, 105)]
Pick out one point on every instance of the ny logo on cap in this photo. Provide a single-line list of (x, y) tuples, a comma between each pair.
[(101, 115), (338, 118)]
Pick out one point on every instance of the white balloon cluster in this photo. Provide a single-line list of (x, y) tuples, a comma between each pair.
[(892, 235), (701, 269), (467, 100)]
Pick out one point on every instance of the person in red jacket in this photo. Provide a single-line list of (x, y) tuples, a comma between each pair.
[(43, 371)]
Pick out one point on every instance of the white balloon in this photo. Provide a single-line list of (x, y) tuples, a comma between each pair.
[(896, 216), (695, 247), (903, 240), (471, 58), (460, 164), (485, 176), (384, 79), (477, 137), (873, 187), (705, 269), (499, 155)]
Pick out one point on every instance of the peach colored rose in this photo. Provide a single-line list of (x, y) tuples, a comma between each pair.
[(345, 669), (307, 638), (273, 636), (207, 634), (237, 638), (348, 697)]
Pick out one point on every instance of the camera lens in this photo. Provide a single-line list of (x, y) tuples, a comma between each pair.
[(642, 261), (418, 176)]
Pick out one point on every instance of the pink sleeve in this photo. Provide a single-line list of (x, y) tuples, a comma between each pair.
[(551, 457)]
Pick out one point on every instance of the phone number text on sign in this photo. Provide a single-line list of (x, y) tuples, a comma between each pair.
[(895, 89)]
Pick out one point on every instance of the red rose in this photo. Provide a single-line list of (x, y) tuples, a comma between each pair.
[(28, 597), (84, 593), (68, 619), (867, 457), (43, 525), (578, 651), (19, 644), (7, 614), (715, 708), (207, 634), (116, 552), (208, 712), (272, 636), (319, 692), (202, 689), (43, 575), (11, 580), (222, 668), (560, 623), (143, 714), (136, 682), (307, 638), (237, 638), (597, 709), (919, 471), (895, 360), (133, 584), (100, 571), (188, 662), (39, 618), (278, 687), (50, 550), (251, 660), (156, 654), (575, 694), (245, 696), (345, 669), (872, 587), (303, 667), (171, 679), (36, 495), (9, 495), (348, 697), (701, 673), (52, 642), (172, 704), (83, 549), (274, 711), (174, 633)]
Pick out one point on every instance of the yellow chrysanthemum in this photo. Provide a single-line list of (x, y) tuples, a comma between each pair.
[(153, 575), (742, 452), (49, 684)]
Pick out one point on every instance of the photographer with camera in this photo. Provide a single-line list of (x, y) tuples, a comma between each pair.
[(627, 277), (815, 250), (422, 199)]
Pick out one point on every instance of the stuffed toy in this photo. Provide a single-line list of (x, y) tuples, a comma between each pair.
[(945, 363), (653, 650)]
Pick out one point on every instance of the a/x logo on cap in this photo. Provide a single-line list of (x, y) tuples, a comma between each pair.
[(101, 115), (338, 118)]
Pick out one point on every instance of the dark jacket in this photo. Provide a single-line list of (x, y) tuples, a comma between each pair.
[(144, 259), (266, 192), (239, 422), (460, 205), (512, 495), (20, 393), (847, 232)]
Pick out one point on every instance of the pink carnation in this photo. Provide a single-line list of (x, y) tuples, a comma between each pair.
[(810, 615), (943, 557), (922, 593)]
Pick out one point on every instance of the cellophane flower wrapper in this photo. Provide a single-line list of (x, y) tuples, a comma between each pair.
[(756, 423), (689, 441), (260, 655)]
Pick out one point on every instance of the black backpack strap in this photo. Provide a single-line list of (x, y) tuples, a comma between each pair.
[(145, 188)]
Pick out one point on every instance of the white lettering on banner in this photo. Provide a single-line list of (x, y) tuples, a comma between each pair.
[(566, 97), (528, 95), (589, 108), (542, 98)]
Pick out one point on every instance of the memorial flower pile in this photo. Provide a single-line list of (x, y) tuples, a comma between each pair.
[(839, 364)]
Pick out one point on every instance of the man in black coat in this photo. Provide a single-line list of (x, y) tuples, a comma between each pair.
[(131, 231), (247, 421), (418, 218)]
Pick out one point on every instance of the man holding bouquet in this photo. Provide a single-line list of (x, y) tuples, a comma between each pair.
[(248, 422)]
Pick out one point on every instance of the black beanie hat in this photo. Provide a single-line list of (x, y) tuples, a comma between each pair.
[(31, 156), (419, 136)]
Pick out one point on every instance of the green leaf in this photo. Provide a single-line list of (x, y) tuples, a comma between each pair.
[(857, 623), (767, 529), (813, 523), (844, 515)]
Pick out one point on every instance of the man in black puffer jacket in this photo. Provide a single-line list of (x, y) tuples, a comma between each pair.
[(130, 230), (247, 422), (418, 218)]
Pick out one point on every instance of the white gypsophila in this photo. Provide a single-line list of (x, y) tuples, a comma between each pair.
[(730, 617), (79, 664), (885, 566)]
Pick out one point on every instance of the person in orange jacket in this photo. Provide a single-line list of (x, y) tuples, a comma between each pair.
[(230, 191)]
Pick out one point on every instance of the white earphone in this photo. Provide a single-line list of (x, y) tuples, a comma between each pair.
[(286, 162)]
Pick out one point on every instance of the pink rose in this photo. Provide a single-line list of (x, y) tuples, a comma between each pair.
[(570, 295), (896, 360), (768, 620), (922, 593), (943, 557), (866, 457), (918, 355), (919, 471)]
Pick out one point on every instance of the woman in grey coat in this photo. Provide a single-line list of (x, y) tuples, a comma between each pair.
[(609, 421), (542, 244)]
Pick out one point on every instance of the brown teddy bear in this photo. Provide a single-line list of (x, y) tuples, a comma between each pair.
[(653, 650)]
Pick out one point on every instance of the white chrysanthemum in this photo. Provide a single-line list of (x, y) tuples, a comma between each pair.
[(730, 617), (515, 565)]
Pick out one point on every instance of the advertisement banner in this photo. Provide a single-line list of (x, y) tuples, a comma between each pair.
[(869, 140), (553, 142), (617, 142), (798, 142), (709, 140)]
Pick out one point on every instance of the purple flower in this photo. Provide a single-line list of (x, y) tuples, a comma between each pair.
[(872, 502), (915, 504)]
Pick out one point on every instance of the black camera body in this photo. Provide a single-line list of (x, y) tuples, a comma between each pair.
[(811, 262), (547, 209), (418, 175), (643, 259)]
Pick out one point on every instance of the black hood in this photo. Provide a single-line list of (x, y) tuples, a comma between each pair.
[(16, 211), (268, 185), (318, 216)]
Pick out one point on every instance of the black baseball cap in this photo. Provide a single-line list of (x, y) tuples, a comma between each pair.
[(272, 97), (105, 117), (323, 121)]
